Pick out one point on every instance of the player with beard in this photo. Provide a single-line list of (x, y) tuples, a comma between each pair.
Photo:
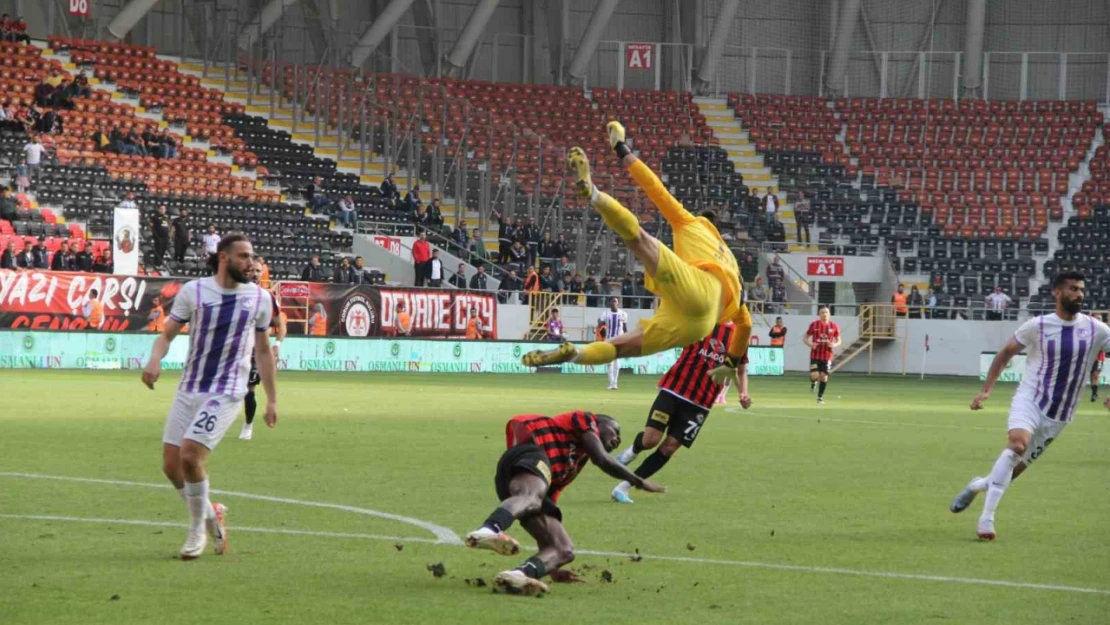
[(277, 328), (1062, 347), (229, 318)]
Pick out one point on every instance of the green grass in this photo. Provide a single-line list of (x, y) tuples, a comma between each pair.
[(862, 483)]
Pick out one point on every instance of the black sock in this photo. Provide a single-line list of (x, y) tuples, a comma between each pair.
[(252, 406), (821, 390), (812, 383), (651, 465), (638, 443), (500, 520), (1094, 390), (533, 567)]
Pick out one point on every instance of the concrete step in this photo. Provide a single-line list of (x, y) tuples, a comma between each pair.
[(723, 115), (726, 136), (756, 176), (700, 100)]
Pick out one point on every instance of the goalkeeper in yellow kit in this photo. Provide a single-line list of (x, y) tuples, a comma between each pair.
[(698, 283)]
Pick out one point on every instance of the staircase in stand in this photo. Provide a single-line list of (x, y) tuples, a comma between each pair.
[(876, 328), (540, 304)]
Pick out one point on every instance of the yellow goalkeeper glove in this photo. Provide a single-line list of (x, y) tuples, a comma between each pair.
[(725, 371)]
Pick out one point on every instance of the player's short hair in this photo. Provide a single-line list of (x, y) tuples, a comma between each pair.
[(710, 216), (1062, 278), (604, 418), (819, 308)]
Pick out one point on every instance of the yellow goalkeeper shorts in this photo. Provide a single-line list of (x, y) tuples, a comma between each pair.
[(689, 304)]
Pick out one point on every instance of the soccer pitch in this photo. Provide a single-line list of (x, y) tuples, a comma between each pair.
[(787, 513)]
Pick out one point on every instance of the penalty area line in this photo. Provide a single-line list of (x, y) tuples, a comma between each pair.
[(794, 568)]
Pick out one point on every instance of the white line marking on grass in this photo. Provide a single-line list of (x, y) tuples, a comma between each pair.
[(443, 534), (797, 568)]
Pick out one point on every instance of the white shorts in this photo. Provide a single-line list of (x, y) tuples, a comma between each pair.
[(1025, 415), (200, 417)]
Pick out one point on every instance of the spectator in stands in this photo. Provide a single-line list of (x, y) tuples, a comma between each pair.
[(359, 274), (459, 236), (477, 245), (547, 280), (160, 231), (102, 142), (520, 235), (134, 139), (478, 280), (389, 190), (592, 289), (348, 214), (211, 241), (474, 329), (169, 142), (412, 202), (802, 218), (757, 296), (771, 207), (576, 284), (44, 93), (435, 271), (315, 197), (49, 123), (546, 250), (532, 240), (776, 274), (93, 310), (18, 32), (342, 274), (9, 208), (128, 202), (518, 255), (83, 258), (562, 248), (778, 296), (996, 304), (312, 272), (64, 259), (421, 259), (510, 286), (402, 320), (34, 151), (555, 331), (564, 266), (628, 292), (26, 258), (931, 305), (81, 85), (900, 301), (104, 263), (153, 142), (182, 235), (916, 302), (459, 279), (8, 258), (64, 94), (263, 272), (504, 237), (433, 217), (532, 281), (6, 119)]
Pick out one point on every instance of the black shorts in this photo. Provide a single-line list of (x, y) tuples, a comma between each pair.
[(254, 379), (818, 366), (677, 417), (527, 458), (1098, 366)]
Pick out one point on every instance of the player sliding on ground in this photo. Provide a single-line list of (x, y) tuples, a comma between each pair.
[(698, 283), (686, 395), (545, 455), (229, 318), (1062, 348)]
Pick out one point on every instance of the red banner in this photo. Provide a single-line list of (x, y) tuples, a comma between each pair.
[(638, 55), (47, 300), (79, 8), (392, 244), (821, 266)]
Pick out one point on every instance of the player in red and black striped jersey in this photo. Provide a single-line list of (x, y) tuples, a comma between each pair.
[(544, 456), (1100, 360), (822, 337), (278, 328), (686, 396)]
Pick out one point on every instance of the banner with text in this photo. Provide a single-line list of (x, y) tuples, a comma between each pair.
[(48, 300), (78, 350), (1016, 367), (125, 242)]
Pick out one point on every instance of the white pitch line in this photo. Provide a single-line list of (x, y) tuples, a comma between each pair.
[(796, 568), (443, 534)]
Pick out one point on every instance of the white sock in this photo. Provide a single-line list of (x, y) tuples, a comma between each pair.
[(209, 513), (196, 496), (624, 487), (979, 485), (627, 456), (998, 480)]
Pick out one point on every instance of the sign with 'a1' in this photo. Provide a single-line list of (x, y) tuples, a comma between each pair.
[(825, 266), (638, 55)]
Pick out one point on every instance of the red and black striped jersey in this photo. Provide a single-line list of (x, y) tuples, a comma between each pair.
[(688, 377), (822, 334), (560, 437)]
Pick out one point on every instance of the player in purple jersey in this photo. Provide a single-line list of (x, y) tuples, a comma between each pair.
[(1061, 349), (228, 318)]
